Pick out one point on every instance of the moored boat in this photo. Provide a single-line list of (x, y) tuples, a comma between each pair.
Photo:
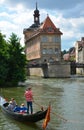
[(24, 117)]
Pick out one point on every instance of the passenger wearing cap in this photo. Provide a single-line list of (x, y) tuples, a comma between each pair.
[(23, 109)]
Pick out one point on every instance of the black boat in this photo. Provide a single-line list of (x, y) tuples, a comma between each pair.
[(31, 118)]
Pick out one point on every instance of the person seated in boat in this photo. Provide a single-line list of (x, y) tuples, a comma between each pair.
[(10, 106), (13, 102), (23, 109), (17, 108)]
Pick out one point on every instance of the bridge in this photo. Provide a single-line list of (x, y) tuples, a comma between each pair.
[(44, 66), (77, 65), (41, 65), (73, 65)]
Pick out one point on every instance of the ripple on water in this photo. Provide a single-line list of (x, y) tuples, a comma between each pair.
[(6, 124)]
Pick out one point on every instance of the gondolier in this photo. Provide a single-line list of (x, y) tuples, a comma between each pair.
[(29, 98)]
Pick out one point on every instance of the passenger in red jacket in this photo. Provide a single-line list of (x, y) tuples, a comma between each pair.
[(29, 98)]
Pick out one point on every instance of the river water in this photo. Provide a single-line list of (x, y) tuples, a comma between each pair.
[(67, 102)]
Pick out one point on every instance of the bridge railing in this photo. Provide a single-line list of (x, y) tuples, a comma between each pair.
[(36, 65), (77, 65)]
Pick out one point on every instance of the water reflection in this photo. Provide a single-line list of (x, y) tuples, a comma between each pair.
[(66, 97)]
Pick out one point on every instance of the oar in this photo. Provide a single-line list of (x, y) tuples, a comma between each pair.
[(51, 112), (39, 105), (59, 116)]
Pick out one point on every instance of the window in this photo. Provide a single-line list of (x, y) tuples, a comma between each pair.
[(56, 39), (50, 51), (51, 59), (56, 50), (44, 51), (50, 29), (44, 39)]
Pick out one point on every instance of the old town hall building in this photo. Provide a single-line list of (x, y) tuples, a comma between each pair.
[(43, 49), (42, 40)]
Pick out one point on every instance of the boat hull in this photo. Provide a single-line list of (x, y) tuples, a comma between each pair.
[(40, 115)]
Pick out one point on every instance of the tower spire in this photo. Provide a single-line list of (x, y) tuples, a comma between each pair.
[(36, 15), (36, 5)]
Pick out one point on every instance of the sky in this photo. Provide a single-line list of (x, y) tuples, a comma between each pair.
[(16, 15)]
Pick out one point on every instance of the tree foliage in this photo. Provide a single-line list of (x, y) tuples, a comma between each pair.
[(14, 61), (3, 59)]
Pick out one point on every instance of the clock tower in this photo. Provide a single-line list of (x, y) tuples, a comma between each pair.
[(36, 16)]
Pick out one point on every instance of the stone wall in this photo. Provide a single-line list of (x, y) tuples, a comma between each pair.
[(35, 72), (58, 70)]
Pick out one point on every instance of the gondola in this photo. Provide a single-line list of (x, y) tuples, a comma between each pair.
[(31, 118)]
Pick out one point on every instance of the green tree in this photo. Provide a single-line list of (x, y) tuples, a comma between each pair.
[(17, 61), (3, 59)]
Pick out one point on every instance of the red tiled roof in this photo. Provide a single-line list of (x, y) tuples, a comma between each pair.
[(48, 26), (47, 23)]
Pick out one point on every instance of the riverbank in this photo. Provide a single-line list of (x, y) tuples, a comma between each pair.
[(77, 76)]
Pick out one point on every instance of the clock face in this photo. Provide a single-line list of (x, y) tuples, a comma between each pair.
[(36, 18)]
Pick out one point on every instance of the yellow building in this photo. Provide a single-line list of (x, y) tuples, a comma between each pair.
[(42, 41)]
